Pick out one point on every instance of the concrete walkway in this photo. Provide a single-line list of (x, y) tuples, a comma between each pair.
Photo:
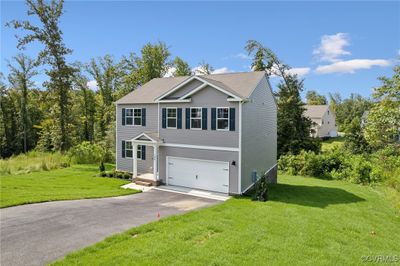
[(37, 234)]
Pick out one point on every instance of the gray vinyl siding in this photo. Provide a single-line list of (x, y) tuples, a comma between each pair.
[(129, 132), (224, 156), (208, 98), (259, 133), (185, 89)]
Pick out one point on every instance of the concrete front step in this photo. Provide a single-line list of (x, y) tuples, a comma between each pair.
[(146, 181), (143, 183)]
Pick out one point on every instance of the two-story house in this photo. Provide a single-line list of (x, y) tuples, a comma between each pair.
[(210, 132), (324, 120)]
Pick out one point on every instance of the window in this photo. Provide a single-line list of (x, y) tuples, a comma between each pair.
[(171, 117), (137, 114), (139, 152), (129, 117), (128, 149), (222, 118), (195, 118), (133, 116)]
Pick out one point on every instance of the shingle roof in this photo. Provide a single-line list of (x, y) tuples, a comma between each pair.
[(315, 111), (240, 84)]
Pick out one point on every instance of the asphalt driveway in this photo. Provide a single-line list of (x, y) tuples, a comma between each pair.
[(37, 234)]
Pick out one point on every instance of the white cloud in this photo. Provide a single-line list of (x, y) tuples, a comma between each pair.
[(300, 71), (242, 56), (332, 47), (92, 84), (350, 66), (170, 72), (222, 70)]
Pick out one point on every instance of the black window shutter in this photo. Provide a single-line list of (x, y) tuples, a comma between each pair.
[(232, 119), (144, 117), (123, 149), (164, 117), (187, 118), (179, 118), (123, 116), (143, 152), (204, 118), (213, 118)]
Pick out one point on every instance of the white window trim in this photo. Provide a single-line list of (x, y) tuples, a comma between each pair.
[(216, 119), (126, 141), (139, 149), (201, 118), (176, 118), (133, 117)]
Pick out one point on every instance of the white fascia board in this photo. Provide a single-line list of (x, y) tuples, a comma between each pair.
[(200, 147), (175, 101)]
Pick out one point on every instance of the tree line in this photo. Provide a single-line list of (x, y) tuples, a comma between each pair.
[(68, 111)]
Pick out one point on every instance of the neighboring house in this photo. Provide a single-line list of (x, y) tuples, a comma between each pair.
[(211, 132), (324, 120)]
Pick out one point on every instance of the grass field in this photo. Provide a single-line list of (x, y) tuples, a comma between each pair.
[(75, 182), (33, 161), (306, 222), (331, 143)]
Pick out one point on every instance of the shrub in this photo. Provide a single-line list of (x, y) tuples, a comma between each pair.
[(340, 164), (87, 153), (33, 161)]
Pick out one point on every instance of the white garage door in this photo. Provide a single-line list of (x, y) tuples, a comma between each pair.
[(201, 174)]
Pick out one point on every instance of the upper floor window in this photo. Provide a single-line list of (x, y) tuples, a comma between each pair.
[(133, 116), (222, 118), (195, 118), (171, 117), (137, 114), (128, 149)]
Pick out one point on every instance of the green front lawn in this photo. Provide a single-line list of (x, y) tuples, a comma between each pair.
[(76, 182), (307, 221)]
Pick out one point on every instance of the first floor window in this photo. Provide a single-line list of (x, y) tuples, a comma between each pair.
[(195, 118), (222, 118), (171, 117), (128, 149), (139, 152)]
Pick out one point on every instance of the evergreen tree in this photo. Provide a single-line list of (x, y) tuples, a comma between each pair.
[(354, 138)]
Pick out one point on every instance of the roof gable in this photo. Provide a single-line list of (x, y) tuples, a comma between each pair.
[(237, 86), (315, 111)]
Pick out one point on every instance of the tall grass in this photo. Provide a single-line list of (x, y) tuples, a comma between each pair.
[(33, 161)]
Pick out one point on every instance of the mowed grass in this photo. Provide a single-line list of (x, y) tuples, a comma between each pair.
[(307, 221), (75, 182), (331, 143)]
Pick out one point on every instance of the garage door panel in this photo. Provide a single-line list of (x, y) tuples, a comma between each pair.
[(201, 174)]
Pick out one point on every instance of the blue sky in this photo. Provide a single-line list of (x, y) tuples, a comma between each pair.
[(335, 46)]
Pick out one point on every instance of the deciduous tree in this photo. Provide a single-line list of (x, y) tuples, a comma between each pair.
[(20, 78), (50, 35)]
